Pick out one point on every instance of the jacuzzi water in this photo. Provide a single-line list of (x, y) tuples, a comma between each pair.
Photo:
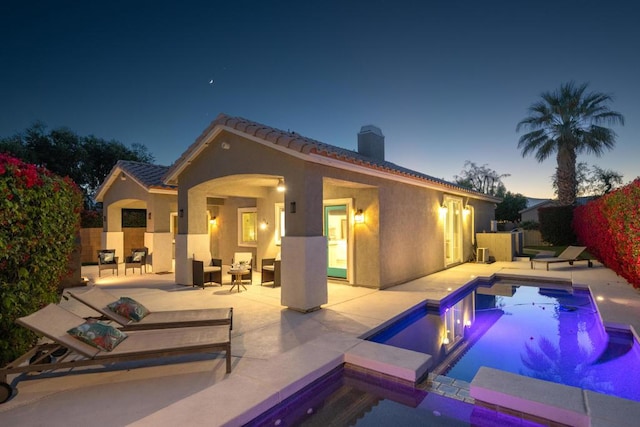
[(542, 332), (347, 397)]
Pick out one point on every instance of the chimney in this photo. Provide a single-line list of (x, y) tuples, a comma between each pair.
[(371, 142)]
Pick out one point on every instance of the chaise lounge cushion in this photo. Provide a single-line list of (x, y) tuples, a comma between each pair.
[(129, 308), (98, 334)]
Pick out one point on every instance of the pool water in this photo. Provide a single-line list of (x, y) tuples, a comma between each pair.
[(550, 333), (352, 397)]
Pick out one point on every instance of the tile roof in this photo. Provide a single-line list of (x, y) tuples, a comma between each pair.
[(149, 175), (302, 144)]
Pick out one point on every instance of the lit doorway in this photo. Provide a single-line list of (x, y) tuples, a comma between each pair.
[(336, 229), (453, 231)]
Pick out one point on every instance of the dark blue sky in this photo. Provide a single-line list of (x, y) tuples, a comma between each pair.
[(446, 81)]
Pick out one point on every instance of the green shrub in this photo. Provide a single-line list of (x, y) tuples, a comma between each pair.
[(91, 219), (555, 225), (530, 225), (39, 218)]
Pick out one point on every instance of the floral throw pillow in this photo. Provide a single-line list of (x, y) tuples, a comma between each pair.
[(129, 308), (106, 257), (98, 334)]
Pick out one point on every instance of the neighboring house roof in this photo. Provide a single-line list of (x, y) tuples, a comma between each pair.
[(543, 203), (146, 175), (309, 149)]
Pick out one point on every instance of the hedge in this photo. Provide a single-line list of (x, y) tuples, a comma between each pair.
[(39, 219), (610, 228)]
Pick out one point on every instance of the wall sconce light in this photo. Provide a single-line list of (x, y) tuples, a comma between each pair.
[(225, 145), (359, 217), (281, 186), (214, 221), (123, 177), (443, 209), (149, 215), (264, 224), (466, 210), (181, 213), (445, 340)]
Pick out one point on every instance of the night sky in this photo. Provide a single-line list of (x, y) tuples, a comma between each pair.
[(446, 81)]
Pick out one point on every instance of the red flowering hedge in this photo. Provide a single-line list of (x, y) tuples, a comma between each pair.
[(39, 218), (610, 228)]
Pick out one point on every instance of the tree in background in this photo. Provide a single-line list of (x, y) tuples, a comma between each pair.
[(593, 181), (510, 207), (87, 160), (568, 122), (481, 178)]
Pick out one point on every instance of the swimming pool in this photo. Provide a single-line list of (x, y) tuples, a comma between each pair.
[(354, 397), (549, 332)]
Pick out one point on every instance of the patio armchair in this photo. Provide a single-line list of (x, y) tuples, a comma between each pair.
[(270, 272), (246, 260), (211, 273), (570, 255), (137, 259), (107, 260)]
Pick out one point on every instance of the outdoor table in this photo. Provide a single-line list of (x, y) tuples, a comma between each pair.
[(237, 274)]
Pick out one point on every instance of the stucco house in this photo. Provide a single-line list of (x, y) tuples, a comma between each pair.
[(135, 185), (330, 212)]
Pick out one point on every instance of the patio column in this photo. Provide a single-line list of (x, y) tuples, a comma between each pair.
[(304, 247), (112, 234), (193, 237)]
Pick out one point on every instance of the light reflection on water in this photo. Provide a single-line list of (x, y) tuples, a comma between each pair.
[(544, 333)]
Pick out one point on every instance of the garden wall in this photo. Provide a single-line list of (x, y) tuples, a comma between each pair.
[(90, 241)]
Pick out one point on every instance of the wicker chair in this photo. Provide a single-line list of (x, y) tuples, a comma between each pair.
[(107, 260), (137, 259)]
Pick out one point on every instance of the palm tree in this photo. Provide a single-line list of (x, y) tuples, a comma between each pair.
[(568, 122)]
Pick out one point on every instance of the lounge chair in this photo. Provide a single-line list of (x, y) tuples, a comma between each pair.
[(65, 351), (98, 299), (569, 255)]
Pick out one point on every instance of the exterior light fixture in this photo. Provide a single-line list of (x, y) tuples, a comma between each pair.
[(214, 221), (466, 210), (445, 341), (359, 217), (443, 209), (181, 213), (149, 215), (123, 177), (225, 145), (264, 224), (281, 186)]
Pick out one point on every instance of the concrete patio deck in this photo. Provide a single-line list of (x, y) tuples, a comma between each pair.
[(275, 350)]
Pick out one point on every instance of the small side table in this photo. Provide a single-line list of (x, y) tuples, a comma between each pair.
[(237, 278)]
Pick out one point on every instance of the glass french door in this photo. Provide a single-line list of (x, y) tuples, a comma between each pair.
[(453, 231), (336, 231)]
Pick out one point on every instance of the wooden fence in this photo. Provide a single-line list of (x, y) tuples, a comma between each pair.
[(533, 238), (91, 240)]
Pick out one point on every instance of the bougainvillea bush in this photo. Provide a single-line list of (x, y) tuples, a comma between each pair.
[(39, 218), (610, 228)]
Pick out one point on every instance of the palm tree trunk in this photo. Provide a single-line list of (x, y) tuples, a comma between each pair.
[(566, 176)]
